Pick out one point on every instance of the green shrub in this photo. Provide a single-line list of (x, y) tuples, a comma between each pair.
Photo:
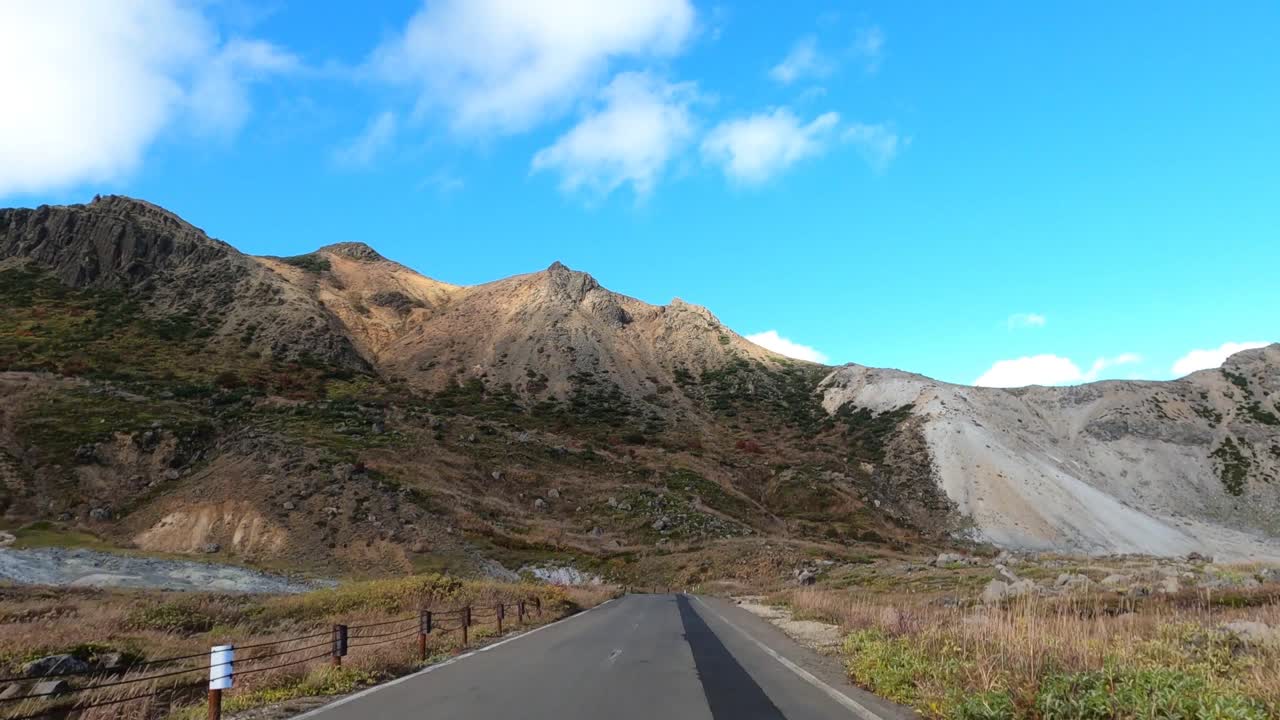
[(990, 705), (1116, 693)]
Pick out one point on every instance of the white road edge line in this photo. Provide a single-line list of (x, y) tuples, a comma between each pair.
[(849, 703), (432, 668)]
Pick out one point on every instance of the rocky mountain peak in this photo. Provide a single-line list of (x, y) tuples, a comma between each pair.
[(353, 250), (570, 286)]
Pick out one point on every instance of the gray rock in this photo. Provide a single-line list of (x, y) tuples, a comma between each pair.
[(171, 474), (100, 514), (806, 577), (50, 687), (597, 532), (1168, 586), (496, 475), (945, 559), (211, 548), (1252, 632), (1073, 582), (995, 592), (554, 494), (54, 664), (12, 690), (1269, 575), (1115, 582), (661, 524), (289, 505), (109, 661), (1007, 574), (611, 502), (539, 504)]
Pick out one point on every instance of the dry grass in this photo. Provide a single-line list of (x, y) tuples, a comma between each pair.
[(950, 661), (292, 630)]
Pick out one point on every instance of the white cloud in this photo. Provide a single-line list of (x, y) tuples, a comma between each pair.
[(371, 142), (1205, 359), (803, 61), (219, 96), (630, 138), (869, 45), (1026, 320), (99, 81), (771, 340), (755, 148), (878, 144), (1048, 370), (507, 65)]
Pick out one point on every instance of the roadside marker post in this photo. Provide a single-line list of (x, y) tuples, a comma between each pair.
[(339, 644), (520, 612), (221, 676), (537, 604), (499, 611)]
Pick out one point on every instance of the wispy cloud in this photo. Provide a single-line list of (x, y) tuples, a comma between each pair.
[(1049, 370), (878, 144), (376, 137), (803, 61), (496, 66), (1212, 358), (753, 149), (641, 122), (771, 340), (868, 46), (1020, 321)]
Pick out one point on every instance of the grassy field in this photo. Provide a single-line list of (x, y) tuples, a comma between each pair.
[(146, 625), (1065, 658)]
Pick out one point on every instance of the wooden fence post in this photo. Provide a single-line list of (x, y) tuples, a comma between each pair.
[(520, 612), (339, 644), (424, 628), (498, 611), (466, 623)]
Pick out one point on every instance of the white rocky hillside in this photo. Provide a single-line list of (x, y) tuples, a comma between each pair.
[(1162, 468)]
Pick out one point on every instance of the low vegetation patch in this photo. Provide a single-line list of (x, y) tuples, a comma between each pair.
[(1045, 660)]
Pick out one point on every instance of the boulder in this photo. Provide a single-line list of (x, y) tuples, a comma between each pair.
[(806, 577), (54, 665), (661, 524), (554, 494), (1269, 575), (995, 592), (100, 514), (945, 559), (496, 475), (211, 548), (1252, 632), (289, 505), (539, 504), (1115, 582), (1007, 574), (1073, 582), (50, 687), (1169, 586)]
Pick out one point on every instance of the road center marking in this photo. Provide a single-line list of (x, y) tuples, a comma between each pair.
[(847, 702)]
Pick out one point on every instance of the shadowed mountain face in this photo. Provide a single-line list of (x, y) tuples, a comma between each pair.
[(337, 409)]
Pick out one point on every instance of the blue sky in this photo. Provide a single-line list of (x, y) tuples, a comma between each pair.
[(1011, 192)]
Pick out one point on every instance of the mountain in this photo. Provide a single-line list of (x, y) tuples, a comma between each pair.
[(340, 412), (1160, 468)]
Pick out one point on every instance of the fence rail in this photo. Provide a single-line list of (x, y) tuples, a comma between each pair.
[(63, 699)]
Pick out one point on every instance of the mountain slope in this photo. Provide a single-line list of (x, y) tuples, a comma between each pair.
[(340, 411), (1143, 467)]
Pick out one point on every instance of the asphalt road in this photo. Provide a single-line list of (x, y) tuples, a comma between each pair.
[(673, 657)]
